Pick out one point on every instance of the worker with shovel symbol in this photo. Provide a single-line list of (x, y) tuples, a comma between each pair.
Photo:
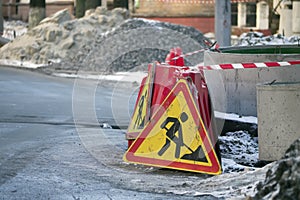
[(140, 120), (175, 127)]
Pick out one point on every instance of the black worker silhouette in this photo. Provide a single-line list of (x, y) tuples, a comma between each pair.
[(140, 120), (175, 127), (197, 155)]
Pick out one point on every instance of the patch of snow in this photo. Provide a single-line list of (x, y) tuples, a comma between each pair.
[(236, 117), (106, 126), (148, 21), (119, 76), (229, 165), (258, 38), (241, 148), (13, 29), (17, 63), (58, 60)]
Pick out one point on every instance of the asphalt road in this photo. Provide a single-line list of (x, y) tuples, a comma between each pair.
[(53, 144)]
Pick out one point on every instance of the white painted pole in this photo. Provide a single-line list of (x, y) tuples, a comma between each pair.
[(242, 14), (104, 3), (223, 22), (262, 15), (1, 19)]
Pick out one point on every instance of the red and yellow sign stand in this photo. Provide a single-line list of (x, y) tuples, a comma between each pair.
[(171, 126), (141, 114), (176, 137)]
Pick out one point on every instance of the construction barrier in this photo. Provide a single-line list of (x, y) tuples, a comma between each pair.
[(194, 140), (173, 123)]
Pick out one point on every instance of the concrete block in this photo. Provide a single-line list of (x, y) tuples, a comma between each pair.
[(278, 114), (234, 91), (296, 18)]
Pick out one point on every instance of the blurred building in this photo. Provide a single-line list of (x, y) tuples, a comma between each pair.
[(289, 15), (245, 14), (19, 9)]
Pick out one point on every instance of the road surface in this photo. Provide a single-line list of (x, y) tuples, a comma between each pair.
[(53, 144)]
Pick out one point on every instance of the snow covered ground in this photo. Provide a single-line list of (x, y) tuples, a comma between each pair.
[(13, 29)]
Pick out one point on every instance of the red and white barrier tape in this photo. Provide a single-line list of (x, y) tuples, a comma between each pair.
[(214, 45), (188, 54), (235, 65), (188, 1), (245, 65), (200, 1)]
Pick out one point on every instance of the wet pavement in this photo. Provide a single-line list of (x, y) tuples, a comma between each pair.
[(47, 152)]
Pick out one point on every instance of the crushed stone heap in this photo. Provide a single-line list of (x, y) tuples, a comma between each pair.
[(283, 179), (138, 42), (102, 41), (62, 38)]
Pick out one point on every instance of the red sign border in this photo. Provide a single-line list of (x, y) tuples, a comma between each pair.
[(215, 167)]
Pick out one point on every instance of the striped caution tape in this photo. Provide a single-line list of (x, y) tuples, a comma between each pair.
[(188, 1), (211, 45), (188, 54), (235, 65), (200, 1), (245, 65)]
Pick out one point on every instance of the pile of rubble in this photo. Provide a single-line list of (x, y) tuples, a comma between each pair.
[(283, 179), (102, 41), (257, 38)]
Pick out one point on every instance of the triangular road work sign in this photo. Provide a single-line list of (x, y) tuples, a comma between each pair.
[(141, 114), (175, 137)]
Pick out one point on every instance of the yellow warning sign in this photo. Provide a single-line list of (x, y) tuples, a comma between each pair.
[(141, 112), (175, 137)]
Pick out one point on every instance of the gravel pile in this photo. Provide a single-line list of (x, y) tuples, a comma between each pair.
[(60, 38), (102, 41), (137, 42), (283, 179)]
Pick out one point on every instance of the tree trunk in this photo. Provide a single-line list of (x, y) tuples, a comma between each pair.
[(80, 8), (37, 3), (83, 5), (1, 19), (104, 3), (37, 12), (91, 4), (120, 4)]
